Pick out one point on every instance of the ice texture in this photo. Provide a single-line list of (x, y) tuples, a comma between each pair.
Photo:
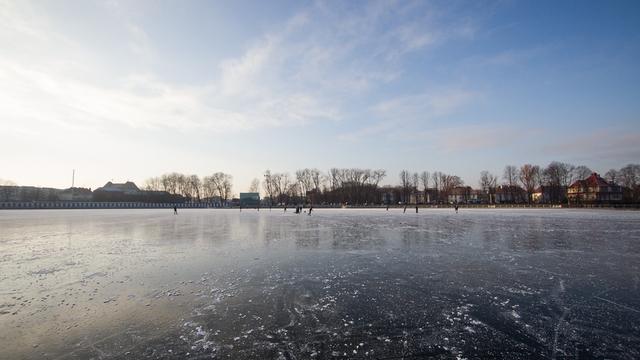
[(370, 283)]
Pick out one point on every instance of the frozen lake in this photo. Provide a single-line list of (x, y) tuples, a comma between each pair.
[(119, 284)]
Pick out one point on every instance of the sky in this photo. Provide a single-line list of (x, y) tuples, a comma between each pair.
[(128, 90)]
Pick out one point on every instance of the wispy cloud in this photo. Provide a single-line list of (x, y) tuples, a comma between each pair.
[(511, 57), (402, 117), (612, 144), (326, 55), (477, 137), (426, 105), (291, 75)]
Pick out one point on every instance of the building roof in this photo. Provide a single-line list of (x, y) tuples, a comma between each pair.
[(465, 190), (128, 186), (77, 191), (593, 181)]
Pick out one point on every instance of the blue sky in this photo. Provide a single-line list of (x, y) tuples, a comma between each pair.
[(123, 90)]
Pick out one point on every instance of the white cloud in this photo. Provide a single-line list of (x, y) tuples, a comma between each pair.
[(139, 42), (302, 71), (19, 18), (247, 76)]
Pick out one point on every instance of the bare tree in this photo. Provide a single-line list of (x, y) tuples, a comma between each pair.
[(209, 189), (569, 175), (317, 180), (405, 184), (415, 182), (437, 183), (582, 172), (305, 182), (294, 191), (612, 175), (335, 180), (255, 186), (356, 180), (281, 185), (558, 177), (424, 182), (529, 178), (269, 186), (374, 181), (223, 184), (551, 178), (488, 183), (168, 183), (195, 186), (448, 183), (630, 177), (510, 179), (182, 185), (152, 184)]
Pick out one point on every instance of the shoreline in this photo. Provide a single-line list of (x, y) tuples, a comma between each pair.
[(50, 205)]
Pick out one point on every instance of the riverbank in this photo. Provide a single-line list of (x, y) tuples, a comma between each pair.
[(106, 205), (136, 205)]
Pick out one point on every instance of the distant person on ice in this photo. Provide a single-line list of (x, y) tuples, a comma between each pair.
[(175, 210), (310, 209)]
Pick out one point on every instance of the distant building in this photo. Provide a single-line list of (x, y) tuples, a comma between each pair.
[(213, 199), (418, 197), (249, 199), (543, 194), (14, 193), (390, 197), (510, 194), (462, 195), (431, 195), (117, 192), (594, 189), (483, 196), (75, 194), (128, 186)]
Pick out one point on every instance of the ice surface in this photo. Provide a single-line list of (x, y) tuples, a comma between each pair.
[(140, 283)]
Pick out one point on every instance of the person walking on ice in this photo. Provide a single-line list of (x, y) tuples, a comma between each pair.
[(175, 210)]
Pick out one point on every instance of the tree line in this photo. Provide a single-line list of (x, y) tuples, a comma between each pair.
[(556, 178), (214, 188), (362, 186), (354, 186)]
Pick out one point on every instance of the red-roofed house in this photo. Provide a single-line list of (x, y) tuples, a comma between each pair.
[(594, 190)]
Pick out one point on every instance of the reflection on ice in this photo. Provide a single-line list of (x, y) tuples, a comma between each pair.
[(340, 283)]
